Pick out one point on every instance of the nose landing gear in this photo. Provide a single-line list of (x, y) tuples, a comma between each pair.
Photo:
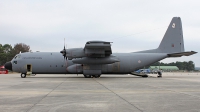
[(29, 71), (23, 75)]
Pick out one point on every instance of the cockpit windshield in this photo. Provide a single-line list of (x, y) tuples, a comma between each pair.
[(17, 56)]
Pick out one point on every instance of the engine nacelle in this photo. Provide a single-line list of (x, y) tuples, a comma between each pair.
[(76, 68), (75, 53)]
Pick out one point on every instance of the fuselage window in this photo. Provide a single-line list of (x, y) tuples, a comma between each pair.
[(15, 62)]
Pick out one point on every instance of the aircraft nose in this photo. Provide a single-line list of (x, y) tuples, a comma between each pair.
[(8, 65)]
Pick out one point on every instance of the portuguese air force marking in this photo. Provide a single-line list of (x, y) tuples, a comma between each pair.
[(173, 25)]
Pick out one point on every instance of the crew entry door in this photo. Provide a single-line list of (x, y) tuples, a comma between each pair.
[(29, 69)]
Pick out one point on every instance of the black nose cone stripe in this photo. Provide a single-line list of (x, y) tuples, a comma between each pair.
[(8, 66)]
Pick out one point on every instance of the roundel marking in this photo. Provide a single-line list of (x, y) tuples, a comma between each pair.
[(173, 25)]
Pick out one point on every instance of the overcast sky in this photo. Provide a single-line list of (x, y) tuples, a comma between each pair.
[(132, 25)]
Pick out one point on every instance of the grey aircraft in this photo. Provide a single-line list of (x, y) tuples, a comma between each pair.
[(96, 57)]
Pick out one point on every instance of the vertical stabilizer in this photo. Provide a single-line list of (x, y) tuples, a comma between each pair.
[(172, 41)]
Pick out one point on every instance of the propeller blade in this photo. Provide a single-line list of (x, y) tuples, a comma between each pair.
[(64, 53)]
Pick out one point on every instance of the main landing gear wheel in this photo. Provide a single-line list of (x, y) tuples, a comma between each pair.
[(87, 76), (96, 76), (23, 75)]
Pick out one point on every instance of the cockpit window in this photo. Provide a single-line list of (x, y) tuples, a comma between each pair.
[(15, 62), (17, 57)]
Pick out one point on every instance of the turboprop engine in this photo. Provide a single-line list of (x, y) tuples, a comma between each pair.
[(73, 53)]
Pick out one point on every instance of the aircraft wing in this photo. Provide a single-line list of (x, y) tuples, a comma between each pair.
[(182, 54), (98, 49)]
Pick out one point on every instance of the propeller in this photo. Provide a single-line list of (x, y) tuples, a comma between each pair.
[(64, 52)]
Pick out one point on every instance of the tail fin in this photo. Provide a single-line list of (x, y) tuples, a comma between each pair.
[(172, 41)]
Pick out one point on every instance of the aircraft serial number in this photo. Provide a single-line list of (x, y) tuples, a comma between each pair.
[(32, 58)]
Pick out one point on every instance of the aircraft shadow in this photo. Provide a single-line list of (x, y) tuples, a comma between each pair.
[(102, 77)]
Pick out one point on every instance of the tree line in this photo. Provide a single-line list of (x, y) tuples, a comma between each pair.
[(189, 66), (7, 52)]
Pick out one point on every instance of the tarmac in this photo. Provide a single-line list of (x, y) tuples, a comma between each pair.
[(174, 92)]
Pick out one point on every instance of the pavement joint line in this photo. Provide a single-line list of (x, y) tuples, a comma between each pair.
[(46, 95), (172, 90), (118, 95)]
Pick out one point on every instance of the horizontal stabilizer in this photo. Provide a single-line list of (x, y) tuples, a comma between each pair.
[(182, 54)]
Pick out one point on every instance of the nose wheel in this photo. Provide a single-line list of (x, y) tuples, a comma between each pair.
[(23, 75)]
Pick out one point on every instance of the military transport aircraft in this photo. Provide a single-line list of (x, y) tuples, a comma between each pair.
[(96, 57)]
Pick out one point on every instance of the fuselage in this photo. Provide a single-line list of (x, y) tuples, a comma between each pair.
[(54, 63)]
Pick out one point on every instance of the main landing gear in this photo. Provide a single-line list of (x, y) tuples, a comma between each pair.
[(89, 76), (23, 75)]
